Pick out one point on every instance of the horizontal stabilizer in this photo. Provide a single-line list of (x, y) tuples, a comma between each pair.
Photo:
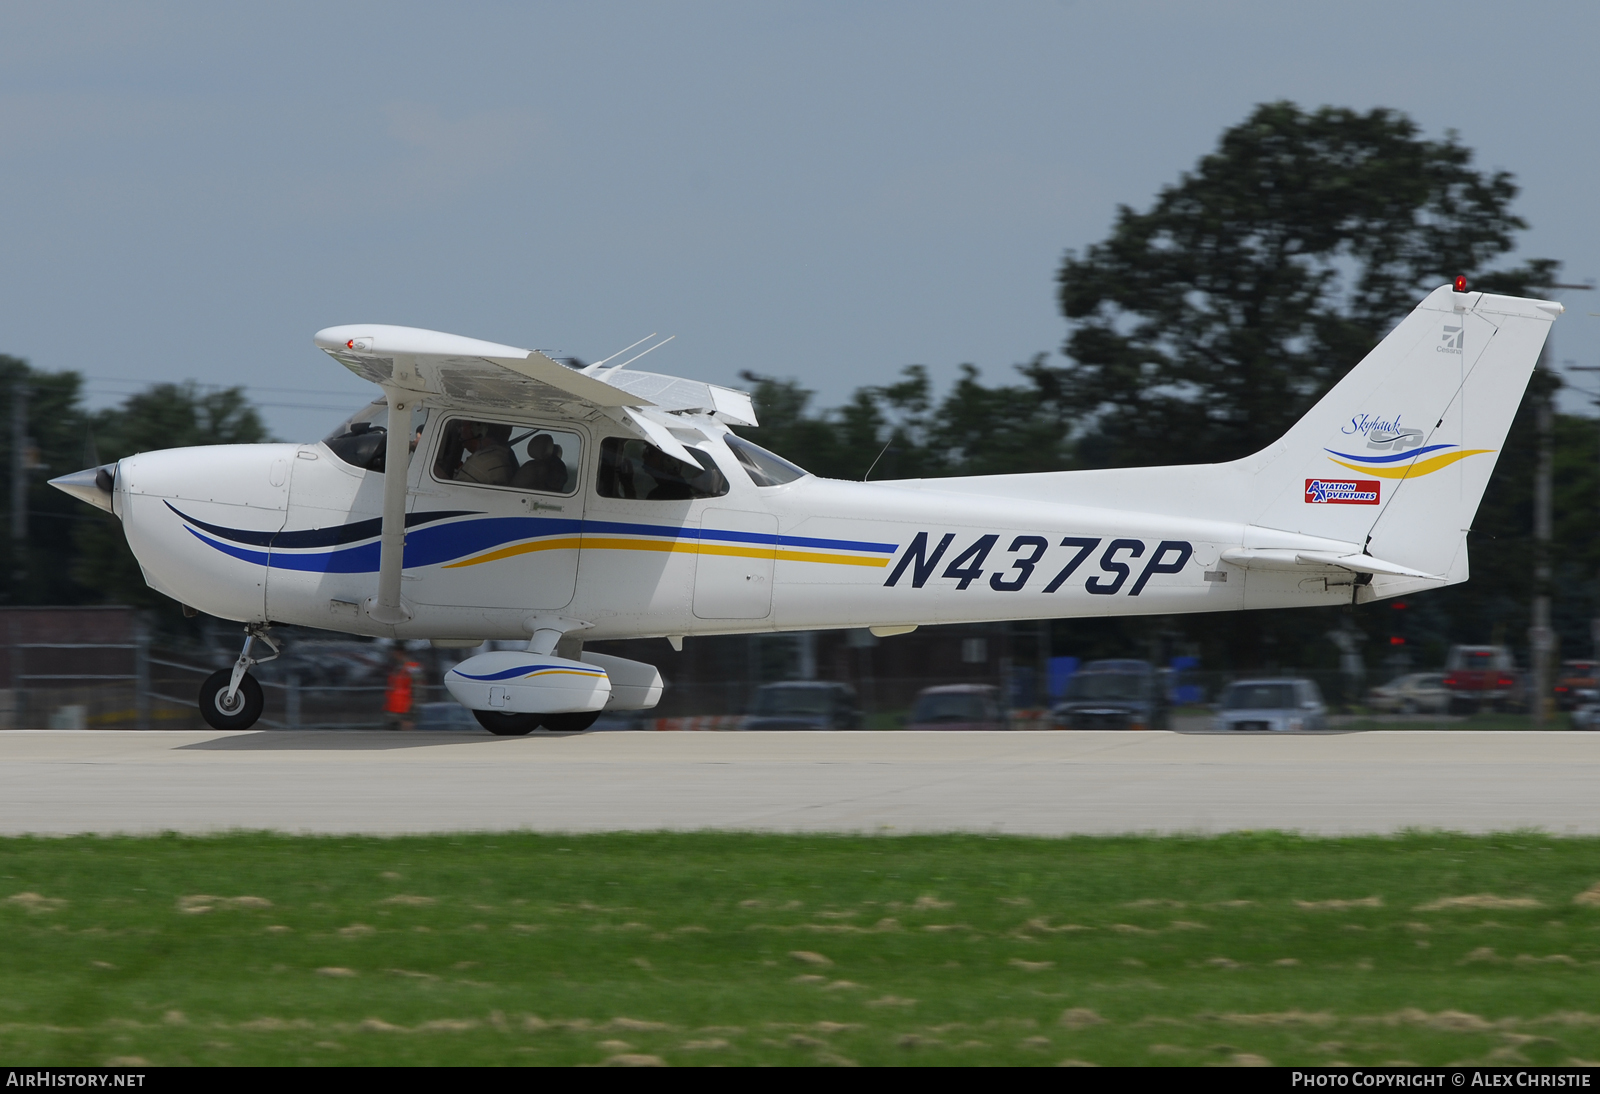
[(1288, 558)]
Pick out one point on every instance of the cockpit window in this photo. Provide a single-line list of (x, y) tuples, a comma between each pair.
[(522, 457), (642, 472), (764, 468), (362, 439)]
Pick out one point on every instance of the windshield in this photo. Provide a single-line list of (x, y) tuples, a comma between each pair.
[(764, 468), (1260, 697), (362, 439), (772, 701), (1107, 685), (951, 707)]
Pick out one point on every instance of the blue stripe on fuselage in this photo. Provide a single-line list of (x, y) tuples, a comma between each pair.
[(430, 544)]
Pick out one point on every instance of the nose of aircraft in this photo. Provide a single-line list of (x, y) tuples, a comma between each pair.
[(93, 485)]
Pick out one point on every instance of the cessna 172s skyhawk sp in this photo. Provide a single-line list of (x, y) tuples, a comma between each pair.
[(549, 504)]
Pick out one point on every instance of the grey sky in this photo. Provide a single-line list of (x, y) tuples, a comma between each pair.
[(825, 191)]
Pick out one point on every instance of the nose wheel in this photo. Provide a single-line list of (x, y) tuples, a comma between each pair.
[(231, 698), (239, 711)]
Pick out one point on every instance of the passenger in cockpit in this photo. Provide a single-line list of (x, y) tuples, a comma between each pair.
[(544, 470), (491, 462)]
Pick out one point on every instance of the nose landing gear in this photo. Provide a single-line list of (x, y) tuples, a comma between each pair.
[(231, 698)]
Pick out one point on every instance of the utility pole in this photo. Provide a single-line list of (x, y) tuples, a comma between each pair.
[(19, 485), (1541, 520), (1594, 621), (1540, 639)]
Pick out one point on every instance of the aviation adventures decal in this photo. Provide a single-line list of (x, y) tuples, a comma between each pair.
[(1342, 491), (1395, 451)]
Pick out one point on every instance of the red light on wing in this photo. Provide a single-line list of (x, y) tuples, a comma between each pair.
[(1461, 284)]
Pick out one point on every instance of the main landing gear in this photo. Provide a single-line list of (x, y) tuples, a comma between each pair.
[(231, 698), (502, 724)]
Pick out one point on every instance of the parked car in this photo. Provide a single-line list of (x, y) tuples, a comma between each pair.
[(1586, 716), (958, 706), (1112, 695), (1275, 705), (804, 704), (1413, 693), (1480, 677), (1577, 684)]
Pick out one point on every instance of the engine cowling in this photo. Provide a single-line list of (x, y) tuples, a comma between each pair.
[(518, 682)]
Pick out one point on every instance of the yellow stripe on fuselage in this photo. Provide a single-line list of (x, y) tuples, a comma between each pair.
[(671, 546), (1421, 467)]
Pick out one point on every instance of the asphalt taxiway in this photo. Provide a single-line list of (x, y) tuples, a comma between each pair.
[(58, 782)]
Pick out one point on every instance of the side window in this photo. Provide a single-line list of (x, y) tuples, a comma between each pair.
[(642, 472), (521, 457)]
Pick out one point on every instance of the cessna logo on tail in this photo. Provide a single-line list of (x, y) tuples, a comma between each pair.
[(1451, 340), (1342, 491), (1394, 440)]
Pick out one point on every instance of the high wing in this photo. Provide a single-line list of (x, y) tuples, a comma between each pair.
[(446, 370)]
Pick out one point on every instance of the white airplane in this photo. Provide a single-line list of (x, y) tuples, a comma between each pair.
[(555, 506)]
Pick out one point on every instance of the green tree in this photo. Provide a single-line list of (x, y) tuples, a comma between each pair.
[(56, 444), (1205, 326), (899, 431)]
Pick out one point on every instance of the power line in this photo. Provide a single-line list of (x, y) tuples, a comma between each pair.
[(222, 387)]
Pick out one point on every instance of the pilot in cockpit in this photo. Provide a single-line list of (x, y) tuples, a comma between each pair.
[(491, 461)]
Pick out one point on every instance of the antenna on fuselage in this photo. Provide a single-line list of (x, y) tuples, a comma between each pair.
[(591, 368)]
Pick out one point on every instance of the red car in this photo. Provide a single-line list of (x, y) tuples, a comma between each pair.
[(1481, 678)]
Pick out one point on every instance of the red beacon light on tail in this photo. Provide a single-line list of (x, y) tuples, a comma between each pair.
[(1461, 284)]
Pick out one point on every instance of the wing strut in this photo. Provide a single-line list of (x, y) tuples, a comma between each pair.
[(386, 607)]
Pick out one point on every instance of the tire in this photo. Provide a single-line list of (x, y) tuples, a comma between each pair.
[(248, 701), (575, 722), (1408, 707), (507, 725)]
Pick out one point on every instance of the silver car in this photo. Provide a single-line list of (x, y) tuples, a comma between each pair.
[(1413, 693), (1279, 705)]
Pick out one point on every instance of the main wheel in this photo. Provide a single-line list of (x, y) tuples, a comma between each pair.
[(242, 712), (576, 722), (502, 724)]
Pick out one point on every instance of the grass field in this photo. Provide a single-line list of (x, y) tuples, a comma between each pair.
[(726, 949)]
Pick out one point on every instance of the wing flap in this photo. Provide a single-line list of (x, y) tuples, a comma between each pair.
[(541, 369)]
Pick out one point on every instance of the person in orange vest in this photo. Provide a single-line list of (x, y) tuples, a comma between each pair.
[(399, 698)]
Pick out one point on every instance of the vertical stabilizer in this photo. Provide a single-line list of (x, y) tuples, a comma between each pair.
[(1396, 457)]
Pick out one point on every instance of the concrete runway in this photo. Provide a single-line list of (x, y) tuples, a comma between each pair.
[(1041, 783)]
